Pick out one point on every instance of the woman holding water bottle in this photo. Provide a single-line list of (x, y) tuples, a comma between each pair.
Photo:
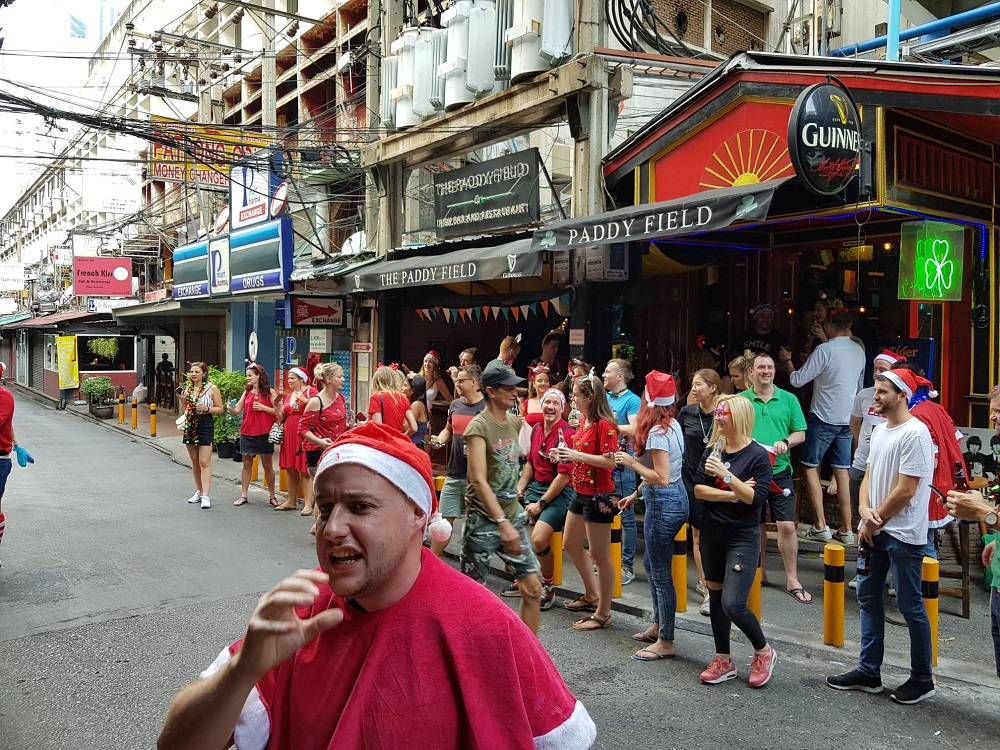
[(591, 451), (734, 482)]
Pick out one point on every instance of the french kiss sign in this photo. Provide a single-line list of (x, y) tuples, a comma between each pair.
[(102, 277)]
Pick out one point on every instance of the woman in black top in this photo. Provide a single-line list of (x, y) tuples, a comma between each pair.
[(733, 482), (697, 420)]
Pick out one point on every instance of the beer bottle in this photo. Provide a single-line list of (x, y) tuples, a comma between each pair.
[(961, 485), (863, 553)]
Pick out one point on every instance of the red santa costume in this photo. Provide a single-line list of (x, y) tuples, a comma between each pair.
[(447, 666)]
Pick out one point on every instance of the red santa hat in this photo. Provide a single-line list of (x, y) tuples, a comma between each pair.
[(299, 373), (387, 452), (660, 389), (907, 381), (433, 355), (890, 358)]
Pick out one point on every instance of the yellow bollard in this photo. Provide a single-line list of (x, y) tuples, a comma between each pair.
[(555, 544), (152, 420), (753, 601), (439, 483), (121, 408), (680, 568), (135, 413), (929, 589), (616, 554), (833, 595), (254, 467), (282, 480)]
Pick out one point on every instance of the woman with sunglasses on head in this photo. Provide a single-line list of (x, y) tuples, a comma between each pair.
[(592, 510), (437, 386), (538, 383), (202, 400), (259, 400), (290, 457), (733, 481), (325, 416), (659, 453)]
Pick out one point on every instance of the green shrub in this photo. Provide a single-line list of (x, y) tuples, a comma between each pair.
[(98, 390), (231, 384)]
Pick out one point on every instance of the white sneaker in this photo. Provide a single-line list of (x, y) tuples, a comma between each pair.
[(206, 501), (845, 537), (700, 588), (705, 607), (816, 535), (195, 497), (853, 583)]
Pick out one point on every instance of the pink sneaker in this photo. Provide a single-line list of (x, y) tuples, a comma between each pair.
[(719, 671), (762, 667)]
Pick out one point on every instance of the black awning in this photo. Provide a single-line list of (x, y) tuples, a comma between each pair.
[(512, 260), (701, 212)]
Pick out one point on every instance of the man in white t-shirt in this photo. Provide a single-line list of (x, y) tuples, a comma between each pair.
[(864, 418), (893, 507)]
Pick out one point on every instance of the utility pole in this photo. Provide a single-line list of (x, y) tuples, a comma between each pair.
[(269, 73), (384, 213)]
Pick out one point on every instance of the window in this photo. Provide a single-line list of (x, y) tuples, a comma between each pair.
[(98, 358)]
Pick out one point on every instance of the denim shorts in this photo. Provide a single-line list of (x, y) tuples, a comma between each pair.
[(594, 508), (831, 440)]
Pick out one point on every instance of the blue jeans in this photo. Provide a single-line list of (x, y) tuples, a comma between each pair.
[(666, 513), (931, 549), (906, 561), (625, 483)]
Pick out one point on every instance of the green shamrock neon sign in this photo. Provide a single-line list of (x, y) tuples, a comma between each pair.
[(931, 261)]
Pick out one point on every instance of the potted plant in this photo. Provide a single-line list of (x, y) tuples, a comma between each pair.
[(231, 385), (100, 395)]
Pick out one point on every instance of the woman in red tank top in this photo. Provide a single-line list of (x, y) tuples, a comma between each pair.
[(260, 404)]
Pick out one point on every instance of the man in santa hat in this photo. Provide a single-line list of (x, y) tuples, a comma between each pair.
[(383, 645), (863, 421), (893, 506)]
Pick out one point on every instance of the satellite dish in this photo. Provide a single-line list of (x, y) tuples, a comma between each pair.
[(355, 244)]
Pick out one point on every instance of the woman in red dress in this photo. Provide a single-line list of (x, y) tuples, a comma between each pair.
[(388, 404), (531, 407), (291, 458), (260, 401), (325, 415)]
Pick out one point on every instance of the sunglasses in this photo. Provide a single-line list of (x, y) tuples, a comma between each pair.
[(721, 411)]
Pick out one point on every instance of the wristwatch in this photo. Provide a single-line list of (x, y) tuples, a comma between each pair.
[(785, 441), (991, 518), (728, 478), (500, 519), (542, 502)]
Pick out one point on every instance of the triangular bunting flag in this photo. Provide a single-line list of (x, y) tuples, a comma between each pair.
[(462, 311), (517, 312), (524, 311), (496, 312), (420, 314), (506, 312), (486, 312), (479, 312), (545, 307), (534, 308)]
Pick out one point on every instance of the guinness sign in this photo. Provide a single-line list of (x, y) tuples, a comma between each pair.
[(824, 138)]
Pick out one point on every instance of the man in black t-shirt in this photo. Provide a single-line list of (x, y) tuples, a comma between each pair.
[(762, 337), (461, 411)]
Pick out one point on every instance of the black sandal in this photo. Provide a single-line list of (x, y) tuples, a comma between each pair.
[(241, 501)]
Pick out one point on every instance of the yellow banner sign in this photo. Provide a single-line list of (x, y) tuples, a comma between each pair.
[(69, 366), (203, 154)]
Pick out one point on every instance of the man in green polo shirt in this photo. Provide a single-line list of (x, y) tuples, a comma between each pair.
[(779, 426)]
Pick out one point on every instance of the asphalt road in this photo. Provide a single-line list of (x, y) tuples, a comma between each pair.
[(114, 593)]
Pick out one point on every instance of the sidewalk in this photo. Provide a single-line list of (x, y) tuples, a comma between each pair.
[(965, 647)]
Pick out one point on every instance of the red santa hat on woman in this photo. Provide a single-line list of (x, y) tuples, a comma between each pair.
[(906, 381), (660, 389), (890, 358), (387, 452)]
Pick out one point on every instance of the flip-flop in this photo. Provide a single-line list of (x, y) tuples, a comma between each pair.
[(592, 622), (643, 638), (580, 604), (306, 512), (652, 657), (273, 502), (241, 501), (799, 595), (285, 507)]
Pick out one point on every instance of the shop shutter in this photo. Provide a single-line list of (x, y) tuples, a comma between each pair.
[(36, 345)]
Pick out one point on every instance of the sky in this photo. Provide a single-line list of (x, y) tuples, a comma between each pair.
[(48, 51)]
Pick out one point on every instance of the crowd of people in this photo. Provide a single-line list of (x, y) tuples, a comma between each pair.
[(531, 456)]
